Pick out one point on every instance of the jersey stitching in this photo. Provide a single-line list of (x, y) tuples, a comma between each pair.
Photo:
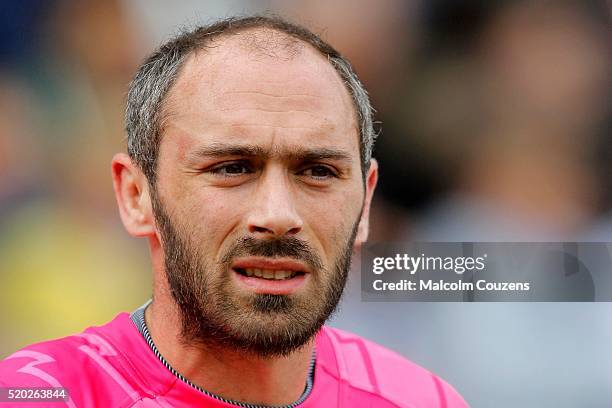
[(363, 351)]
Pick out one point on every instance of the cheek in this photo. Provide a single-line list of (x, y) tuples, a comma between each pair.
[(209, 217), (330, 219)]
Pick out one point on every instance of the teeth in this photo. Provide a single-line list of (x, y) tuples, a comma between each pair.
[(281, 274), (270, 274)]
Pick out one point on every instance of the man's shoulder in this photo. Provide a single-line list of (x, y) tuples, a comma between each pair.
[(34, 364), (62, 352), (84, 363), (375, 369)]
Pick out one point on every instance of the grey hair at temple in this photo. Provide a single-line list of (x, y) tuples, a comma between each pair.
[(155, 77)]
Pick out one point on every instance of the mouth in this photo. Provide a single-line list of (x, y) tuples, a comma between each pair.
[(269, 275)]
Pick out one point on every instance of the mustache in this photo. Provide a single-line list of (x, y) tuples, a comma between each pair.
[(289, 247)]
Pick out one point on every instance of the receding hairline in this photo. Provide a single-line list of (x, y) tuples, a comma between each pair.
[(264, 39), (283, 45), (276, 45)]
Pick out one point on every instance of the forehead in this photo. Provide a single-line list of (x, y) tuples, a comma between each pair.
[(254, 84)]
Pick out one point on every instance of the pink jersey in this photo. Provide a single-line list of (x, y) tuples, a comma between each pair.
[(112, 366)]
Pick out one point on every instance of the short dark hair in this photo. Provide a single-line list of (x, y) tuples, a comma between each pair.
[(155, 77)]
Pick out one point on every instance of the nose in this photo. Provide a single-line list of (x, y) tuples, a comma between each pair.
[(273, 213)]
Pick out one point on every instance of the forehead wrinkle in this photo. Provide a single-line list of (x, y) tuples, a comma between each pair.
[(281, 109), (261, 93)]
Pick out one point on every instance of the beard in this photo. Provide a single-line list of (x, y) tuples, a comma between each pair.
[(213, 314)]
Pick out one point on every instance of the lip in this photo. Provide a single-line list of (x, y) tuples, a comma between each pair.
[(269, 286)]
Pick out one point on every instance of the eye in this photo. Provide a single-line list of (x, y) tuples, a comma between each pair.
[(231, 169), (319, 172)]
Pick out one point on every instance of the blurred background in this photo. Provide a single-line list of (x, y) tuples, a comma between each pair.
[(495, 121)]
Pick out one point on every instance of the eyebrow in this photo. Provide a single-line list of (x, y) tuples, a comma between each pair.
[(218, 150), (223, 150)]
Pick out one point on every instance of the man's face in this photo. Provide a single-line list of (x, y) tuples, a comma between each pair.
[(258, 196)]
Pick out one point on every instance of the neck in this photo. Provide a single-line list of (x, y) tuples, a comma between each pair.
[(229, 373)]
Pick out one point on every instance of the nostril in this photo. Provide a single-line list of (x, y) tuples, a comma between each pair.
[(263, 230), (294, 231), (255, 228)]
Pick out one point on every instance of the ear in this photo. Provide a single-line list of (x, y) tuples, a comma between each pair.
[(133, 199), (370, 185)]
